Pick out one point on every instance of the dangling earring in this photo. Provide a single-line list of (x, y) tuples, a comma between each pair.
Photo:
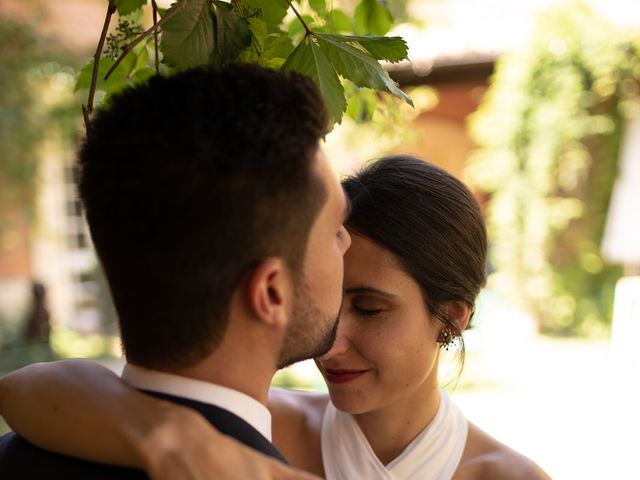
[(446, 337)]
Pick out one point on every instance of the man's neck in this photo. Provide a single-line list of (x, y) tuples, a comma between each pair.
[(201, 391), (238, 372)]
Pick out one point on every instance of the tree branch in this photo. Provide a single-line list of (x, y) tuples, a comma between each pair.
[(304, 24), (154, 5), (239, 7), (143, 35), (88, 110)]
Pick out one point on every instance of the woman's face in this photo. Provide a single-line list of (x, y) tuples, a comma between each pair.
[(386, 348)]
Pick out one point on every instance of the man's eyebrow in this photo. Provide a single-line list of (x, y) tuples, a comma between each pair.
[(368, 290), (347, 208)]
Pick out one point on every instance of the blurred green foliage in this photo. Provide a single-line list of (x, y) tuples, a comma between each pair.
[(549, 134), (30, 71), (19, 130)]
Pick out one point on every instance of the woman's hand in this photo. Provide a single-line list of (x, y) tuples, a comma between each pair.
[(184, 446)]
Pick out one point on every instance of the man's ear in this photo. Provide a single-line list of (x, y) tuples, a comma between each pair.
[(459, 313), (270, 292)]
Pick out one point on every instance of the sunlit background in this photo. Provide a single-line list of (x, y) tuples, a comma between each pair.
[(534, 103)]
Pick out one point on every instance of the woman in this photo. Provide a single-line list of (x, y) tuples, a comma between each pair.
[(414, 270)]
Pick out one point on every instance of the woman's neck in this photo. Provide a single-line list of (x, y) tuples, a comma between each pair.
[(391, 429)]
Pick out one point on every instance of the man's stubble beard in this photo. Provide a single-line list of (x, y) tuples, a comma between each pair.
[(311, 332)]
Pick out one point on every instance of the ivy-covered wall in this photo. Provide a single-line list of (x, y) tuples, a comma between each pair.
[(549, 134)]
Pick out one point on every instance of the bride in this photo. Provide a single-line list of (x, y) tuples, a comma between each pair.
[(412, 274)]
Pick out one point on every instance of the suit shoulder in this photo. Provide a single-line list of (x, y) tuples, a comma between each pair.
[(20, 459)]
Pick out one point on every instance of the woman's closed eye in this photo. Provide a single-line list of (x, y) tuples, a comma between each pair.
[(367, 310), (368, 304)]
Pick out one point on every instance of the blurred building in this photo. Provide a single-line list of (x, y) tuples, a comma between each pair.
[(50, 244)]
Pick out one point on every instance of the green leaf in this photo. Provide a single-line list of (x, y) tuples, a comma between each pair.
[(296, 28), (142, 75), (272, 12), (273, 63), (372, 17), (277, 45), (119, 79), (361, 104), (258, 32), (391, 49), (353, 62), (125, 7), (338, 21), (308, 58), (232, 34), (188, 36), (319, 6), (141, 55)]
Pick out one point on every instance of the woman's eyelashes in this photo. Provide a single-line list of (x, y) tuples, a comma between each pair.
[(366, 311), (368, 307)]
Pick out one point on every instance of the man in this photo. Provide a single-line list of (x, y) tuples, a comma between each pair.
[(219, 226)]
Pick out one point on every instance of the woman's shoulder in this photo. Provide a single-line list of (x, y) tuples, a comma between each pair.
[(291, 405), (484, 457), (297, 424)]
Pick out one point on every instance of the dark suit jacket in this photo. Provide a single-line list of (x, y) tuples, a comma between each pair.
[(20, 459)]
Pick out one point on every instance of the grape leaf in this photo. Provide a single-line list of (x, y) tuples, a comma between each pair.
[(352, 62), (258, 32), (308, 58), (188, 36), (272, 12), (274, 63), (232, 34), (125, 7), (277, 45), (372, 17), (296, 29), (123, 76), (391, 49), (338, 21), (319, 6), (361, 104)]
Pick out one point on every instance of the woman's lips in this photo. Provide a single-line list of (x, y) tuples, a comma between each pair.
[(341, 375)]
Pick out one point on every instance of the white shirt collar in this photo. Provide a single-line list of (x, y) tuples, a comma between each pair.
[(240, 404)]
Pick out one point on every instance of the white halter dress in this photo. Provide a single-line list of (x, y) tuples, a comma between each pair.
[(433, 455)]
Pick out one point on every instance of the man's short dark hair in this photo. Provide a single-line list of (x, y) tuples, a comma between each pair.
[(188, 182)]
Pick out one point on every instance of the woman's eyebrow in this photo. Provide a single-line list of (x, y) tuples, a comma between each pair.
[(368, 290)]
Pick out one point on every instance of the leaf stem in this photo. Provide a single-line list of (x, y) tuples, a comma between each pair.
[(304, 24), (143, 35), (88, 109), (154, 5)]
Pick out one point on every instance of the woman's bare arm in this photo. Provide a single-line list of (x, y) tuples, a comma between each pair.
[(79, 408)]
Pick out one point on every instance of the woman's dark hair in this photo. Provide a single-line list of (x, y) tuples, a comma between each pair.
[(430, 221)]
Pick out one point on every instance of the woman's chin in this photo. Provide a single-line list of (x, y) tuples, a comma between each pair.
[(351, 404)]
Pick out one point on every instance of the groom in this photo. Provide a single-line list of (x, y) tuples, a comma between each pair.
[(218, 222)]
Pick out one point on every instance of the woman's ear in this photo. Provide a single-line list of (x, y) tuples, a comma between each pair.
[(270, 292), (459, 313)]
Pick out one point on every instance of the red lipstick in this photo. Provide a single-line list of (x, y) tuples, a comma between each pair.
[(341, 375)]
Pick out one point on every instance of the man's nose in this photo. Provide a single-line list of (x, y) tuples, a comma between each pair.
[(340, 346)]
